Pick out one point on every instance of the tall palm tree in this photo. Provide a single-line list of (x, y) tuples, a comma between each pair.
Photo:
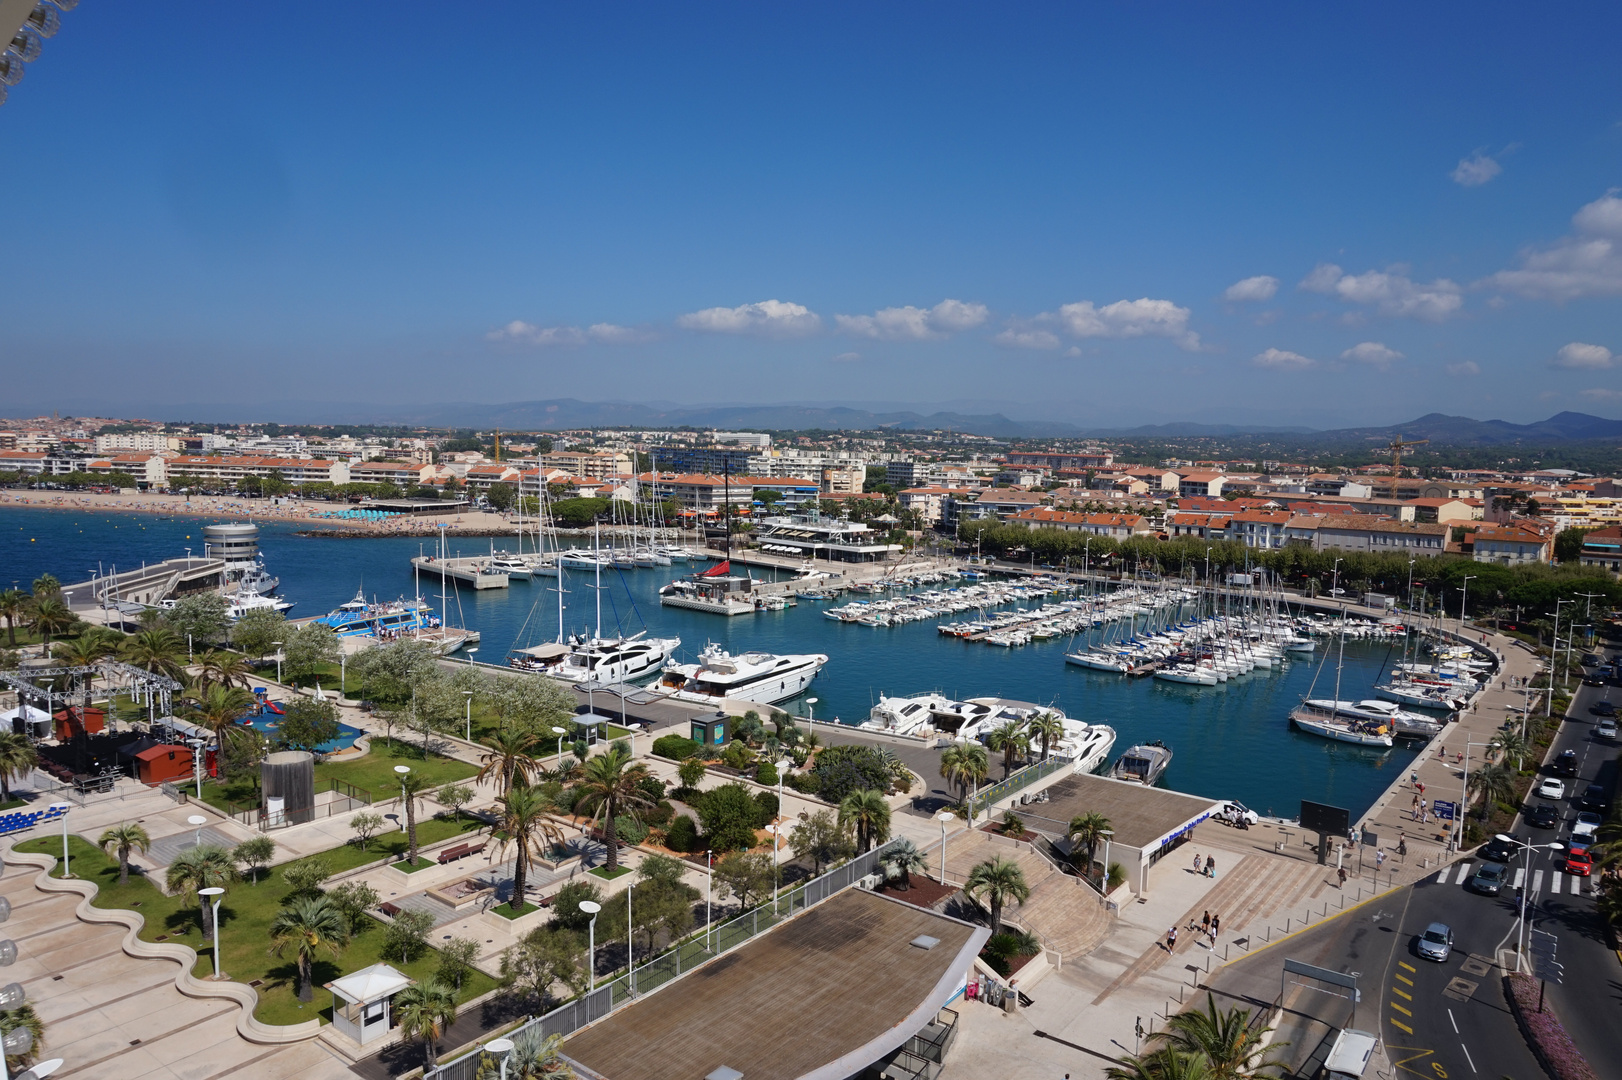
[(49, 615), (610, 783), (1494, 784), (522, 819), (13, 605), (86, 649), (412, 787), (18, 758), (424, 1011), (1088, 830), (1009, 739), (1510, 743), (1224, 1038), (903, 860), (999, 880), (1162, 1064), (311, 925), (870, 814), (124, 839), (46, 585), (511, 758), (965, 765), (158, 651), (202, 867), (219, 708), (224, 668), (1048, 728)]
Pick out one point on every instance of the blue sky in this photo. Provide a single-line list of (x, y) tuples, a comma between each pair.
[(1109, 215)]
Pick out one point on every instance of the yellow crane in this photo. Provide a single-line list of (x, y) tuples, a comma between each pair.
[(1397, 447)]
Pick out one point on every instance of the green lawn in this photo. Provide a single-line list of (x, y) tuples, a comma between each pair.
[(373, 773), (506, 910), (245, 916), (602, 872)]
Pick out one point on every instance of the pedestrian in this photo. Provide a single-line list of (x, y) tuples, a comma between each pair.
[(1340, 872), (1196, 862), (1379, 858), (1213, 936), (1402, 846), (1413, 778), (1205, 921), (1171, 940), (1210, 867), (1413, 810), (1422, 791), (1216, 927)]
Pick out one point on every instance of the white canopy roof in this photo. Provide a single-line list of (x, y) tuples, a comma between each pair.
[(369, 984), (26, 712)]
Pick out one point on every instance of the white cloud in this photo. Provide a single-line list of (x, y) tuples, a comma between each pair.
[(1475, 170), (1372, 352), (1028, 339), (1263, 287), (1585, 263), (1464, 368), (1282, 360), (524, 333), (1579, 355), (1129, 319), (1600, 393), (847, 358), (1391, 292), (913, 323), (774, 318)]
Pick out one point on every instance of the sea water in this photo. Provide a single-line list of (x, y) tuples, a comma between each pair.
[(1230, 741)]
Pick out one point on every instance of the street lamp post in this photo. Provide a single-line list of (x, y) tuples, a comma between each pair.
[(278, 645), (469, 695), (1334, 580), (1464, 596), (1457, 842), (560, 733), (197, 821), (943, 817), (1108, 833), (811, 708), (504, 1047), (1526, 869), (214, 892), (709, 879), (1554, 651), (592, 907)]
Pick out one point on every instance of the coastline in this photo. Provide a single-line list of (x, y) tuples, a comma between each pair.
[(227, 508)]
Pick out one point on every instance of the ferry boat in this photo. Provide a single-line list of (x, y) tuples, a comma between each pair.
[(397, 619), (1143, 764), (760, 677)]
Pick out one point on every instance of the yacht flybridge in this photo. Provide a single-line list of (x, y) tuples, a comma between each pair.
[(760, 677)]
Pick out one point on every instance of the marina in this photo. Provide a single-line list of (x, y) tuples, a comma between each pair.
[(1233, 740)]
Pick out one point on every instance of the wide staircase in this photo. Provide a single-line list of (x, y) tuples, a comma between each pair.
[(1066, 914)]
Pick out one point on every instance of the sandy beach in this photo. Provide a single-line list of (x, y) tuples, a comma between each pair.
[(313, 514)]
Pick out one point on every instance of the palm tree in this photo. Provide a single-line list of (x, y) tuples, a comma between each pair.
[(424, 1011), (23, 1016), (158, 651), (125, 839), (1088, 830), (611, 782), (999, 880), (201, 867), (49, 615), (219, 708), (1048, 728), (1509, 743), (1494, 784), (224, 667), (904, 860), (13, 605), (311, 925), (1009, 739), (1162, 1064), (46, 585), (531, 1058), (870, 814), (86, 649), (964, 764), (412, 786), (18, 758), (522, 819), (1223, 1038), (511, 758)]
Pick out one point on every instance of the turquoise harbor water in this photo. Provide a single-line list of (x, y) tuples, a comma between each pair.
[(1230, 741)]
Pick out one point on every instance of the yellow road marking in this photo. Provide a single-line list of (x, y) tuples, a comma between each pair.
[(1398, 1023), (1400, 1009), (1399, 993), (1422, 1053), (1403, 979), (1405, 967)]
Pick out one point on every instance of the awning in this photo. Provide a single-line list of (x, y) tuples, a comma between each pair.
[(370, 984)]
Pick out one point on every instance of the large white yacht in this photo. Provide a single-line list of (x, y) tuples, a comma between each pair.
[(614, 660), (923, 714), (1088, 745), (764, 678)]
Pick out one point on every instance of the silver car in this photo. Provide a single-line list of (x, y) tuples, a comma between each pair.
[(1436, 943)]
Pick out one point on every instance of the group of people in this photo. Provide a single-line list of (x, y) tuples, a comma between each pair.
[(1207, 867), (1207, 928)]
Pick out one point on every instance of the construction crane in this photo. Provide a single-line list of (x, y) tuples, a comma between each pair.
[(1397, 447)]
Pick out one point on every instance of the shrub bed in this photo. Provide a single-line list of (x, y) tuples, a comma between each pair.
[(675, 747), (1545, 1034)]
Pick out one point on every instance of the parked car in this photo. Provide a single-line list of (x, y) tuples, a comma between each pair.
[(1586, 826), (1543, 816), (1602, 708), (1237, 814), (1551, 788), (1579, 862), (1497, 851), (1605, 729), (1436, 943), (1489, 879), (1564, 764), (1594, 798)]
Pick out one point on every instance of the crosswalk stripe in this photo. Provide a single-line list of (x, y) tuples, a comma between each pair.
[(1441, 876), (1537, 881), (1405, 967), (1402, 994), (1554, 883), (1400, 1009), (1464, 872), (1520, 877), (1404, 980), (1398, 1023)]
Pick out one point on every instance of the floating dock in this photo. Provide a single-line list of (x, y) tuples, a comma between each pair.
[(469, 571)]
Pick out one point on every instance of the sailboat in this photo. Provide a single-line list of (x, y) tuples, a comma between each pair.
[(1336, 719)]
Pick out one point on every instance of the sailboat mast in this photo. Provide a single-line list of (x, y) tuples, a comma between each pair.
[(596, 541)]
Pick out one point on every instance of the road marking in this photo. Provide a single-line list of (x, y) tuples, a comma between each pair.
[(1400, 979), (1464, 872), (1468, 1058), (1398, 1023), (1537, 881), (1441, 878), (1554, 882), (1400, 1009), (1405, 966), (1399, 993), (1520, 877), (1452, 1021)]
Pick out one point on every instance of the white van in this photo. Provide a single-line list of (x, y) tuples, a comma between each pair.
[(1350, 1055)]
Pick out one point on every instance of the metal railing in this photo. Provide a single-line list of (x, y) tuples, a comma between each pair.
[(697, 949), (1022, 778)]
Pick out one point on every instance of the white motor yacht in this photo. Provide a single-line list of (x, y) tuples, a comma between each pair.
[(907, 715), (764, 678), (511, 565), (614, 660), (583, 559), (1143, 764)]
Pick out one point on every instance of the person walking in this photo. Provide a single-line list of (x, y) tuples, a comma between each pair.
[(1340, 872), (1402, 846), (1210, 867), (1205, 922), (1216, 928), (1196, 862), (1379, 858), (1171, 940)]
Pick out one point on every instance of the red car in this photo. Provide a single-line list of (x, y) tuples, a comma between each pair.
[(1579, 863)]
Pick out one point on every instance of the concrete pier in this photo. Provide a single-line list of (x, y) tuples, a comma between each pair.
[(466, 571)]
